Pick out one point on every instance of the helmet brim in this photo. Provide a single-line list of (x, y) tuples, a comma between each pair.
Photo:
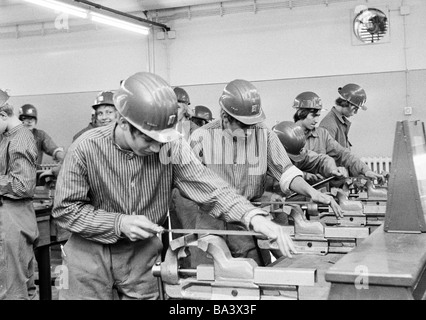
[(162, 136), (249, 120)]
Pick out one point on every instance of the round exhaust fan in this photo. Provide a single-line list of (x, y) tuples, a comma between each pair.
[(370, 25)]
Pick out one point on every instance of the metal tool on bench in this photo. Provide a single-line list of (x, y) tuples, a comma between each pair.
[(373, 198), (313, 237), (228, 277), (353, 210)]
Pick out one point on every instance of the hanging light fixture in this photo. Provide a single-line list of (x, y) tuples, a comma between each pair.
[(101, 18), (62, 7), (122, 21)]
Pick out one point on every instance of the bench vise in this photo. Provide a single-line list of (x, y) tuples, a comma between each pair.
[(227, 278)]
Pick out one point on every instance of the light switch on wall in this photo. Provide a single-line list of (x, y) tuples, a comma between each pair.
[(408, 111)]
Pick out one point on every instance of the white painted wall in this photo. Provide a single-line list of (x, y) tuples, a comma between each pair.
[(71, 62), (285, 52)]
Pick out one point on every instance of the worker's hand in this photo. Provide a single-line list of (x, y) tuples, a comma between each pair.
[(312, 178), (340, 172), (274, 231), (138, 227), (372, 175), (319, 197)]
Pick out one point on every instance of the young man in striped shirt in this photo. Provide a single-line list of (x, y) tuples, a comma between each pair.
[(18, 225), (114, 189), (243, 151)]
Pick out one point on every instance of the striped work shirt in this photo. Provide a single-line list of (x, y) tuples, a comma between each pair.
[(99, 182), (320, 141), (18, 157), (244, 162)]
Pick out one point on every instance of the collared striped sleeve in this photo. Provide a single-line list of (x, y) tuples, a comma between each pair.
[(73, 209), (18, 157)]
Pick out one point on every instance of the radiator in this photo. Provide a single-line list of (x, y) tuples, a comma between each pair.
[(378, 164)]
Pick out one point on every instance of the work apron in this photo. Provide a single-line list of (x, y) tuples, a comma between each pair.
[(18, 233)]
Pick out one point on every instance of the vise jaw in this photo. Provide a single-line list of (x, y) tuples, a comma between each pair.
[(227, 277)]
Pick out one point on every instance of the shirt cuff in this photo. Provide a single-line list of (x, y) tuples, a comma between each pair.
[(117, 224), (288, 176), (56, 151), (249, 215)]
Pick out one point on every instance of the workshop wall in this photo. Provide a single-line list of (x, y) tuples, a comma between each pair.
[(285, 52), (282, 51)]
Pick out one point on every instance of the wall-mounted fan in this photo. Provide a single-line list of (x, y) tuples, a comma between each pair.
[(371, 25)]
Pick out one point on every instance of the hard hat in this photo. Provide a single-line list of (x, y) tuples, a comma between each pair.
[(3, 97), (104, 98), (354, 94), (291, 136), (241, 100), (307, 100), (203, 113), (27, 110), (147, 102), (182, 95)]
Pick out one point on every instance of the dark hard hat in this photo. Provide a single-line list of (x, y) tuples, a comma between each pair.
[(104, 98), (27, 110), (241, 100), (182, 95), (291, 136), (203, 113), (354, 94), (307, 100), (148, 102)]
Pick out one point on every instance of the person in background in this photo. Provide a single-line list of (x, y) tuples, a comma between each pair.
[(184, 125), (352, 98), (315, 166), (308, 106), (103, 113), (45, 145), (114, 189), (202, 115), (242, 150), (18, 225)]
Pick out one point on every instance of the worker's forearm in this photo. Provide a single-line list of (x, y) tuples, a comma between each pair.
[(300, 186)]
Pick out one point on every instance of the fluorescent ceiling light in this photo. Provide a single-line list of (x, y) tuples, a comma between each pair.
[(119, 23), (62, 7)]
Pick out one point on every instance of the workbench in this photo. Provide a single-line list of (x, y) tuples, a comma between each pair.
[(49, 235), (321, 263), (384, 266)]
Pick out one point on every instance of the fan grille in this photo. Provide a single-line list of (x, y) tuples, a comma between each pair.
[(371, 25)]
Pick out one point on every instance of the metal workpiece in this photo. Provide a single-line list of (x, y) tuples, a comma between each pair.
[(227, 277)]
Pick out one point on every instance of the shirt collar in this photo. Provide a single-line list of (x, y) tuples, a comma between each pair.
[(339, 116), (129, 153), (13, 130)]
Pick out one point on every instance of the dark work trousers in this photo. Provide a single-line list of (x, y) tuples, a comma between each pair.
[(18, 233), (96, 271)]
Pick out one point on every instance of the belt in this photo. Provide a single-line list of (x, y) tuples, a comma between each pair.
[(6, 198)]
